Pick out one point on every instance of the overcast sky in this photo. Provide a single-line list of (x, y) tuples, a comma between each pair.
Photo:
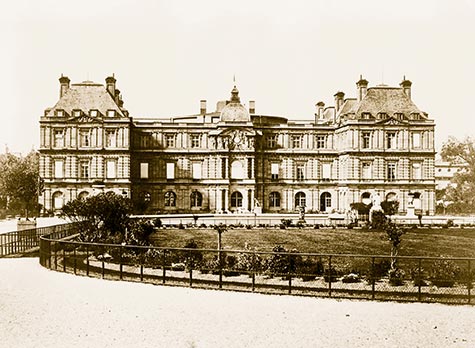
[(286, 55)]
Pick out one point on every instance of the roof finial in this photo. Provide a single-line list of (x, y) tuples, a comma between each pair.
[(234, 80), (404, 77)]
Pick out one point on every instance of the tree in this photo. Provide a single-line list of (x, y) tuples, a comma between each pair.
[(461, 193), (20, 183), (103, 217), (390, 207)]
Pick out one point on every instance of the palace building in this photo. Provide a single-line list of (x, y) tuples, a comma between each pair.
[(233, 158)]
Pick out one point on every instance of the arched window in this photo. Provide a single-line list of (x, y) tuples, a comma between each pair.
[(237, 170), (170, 199), (196, 199), (236, 199), (391, 196), (146, 196), (325, 201), (58, 200), (366, 198), (274, 199), (300, 199), (83, 195)]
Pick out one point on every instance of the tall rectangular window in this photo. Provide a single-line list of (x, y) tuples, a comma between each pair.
[(274, 169), (300, 171), (58, 169), (170, 140), (272, 141), (326, 171), (321, 141), (366, 170), (365, 140), (58, 138), (195, 140), (249, 168), (196, 170), (296, 141), (416, 171), (85, 138), (111, 139), (143, 170), (111, 169), (416, 140), (170, 170), (391, 172), (84, 169), (391, 140)]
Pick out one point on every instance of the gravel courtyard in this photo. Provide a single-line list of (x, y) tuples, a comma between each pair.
[(42, 308)]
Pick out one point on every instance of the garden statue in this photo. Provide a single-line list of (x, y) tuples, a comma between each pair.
[(376, 200)]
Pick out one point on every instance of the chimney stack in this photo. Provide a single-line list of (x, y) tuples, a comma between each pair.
[(110, 84), (406, 86), (339, 100), (362, 85), (320, 105), (64, 85), (252, 107), (203, 107)]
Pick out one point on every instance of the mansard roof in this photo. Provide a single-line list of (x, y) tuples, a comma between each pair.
[(388, 100), (86, 96)]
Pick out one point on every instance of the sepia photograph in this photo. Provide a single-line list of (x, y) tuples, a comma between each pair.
[(237, 174)]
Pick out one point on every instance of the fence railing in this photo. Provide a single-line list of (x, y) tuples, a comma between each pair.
[(425, 279), (18, 242)]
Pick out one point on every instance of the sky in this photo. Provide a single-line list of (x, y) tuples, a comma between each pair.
[(285, 55)]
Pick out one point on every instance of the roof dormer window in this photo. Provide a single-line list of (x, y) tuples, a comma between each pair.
[(383, 115), (366, 115), (60, 113), (110, 113), (399, 115), (77, 113), (93, 113)]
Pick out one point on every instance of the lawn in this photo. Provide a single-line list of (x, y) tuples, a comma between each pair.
[(452, 242)]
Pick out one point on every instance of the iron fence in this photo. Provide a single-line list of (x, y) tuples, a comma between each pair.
[(424, 279), (19, 242)]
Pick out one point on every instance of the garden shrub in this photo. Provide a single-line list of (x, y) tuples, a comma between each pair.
[(157, 222), (191, 258), (278, 264), (330, 274), (286, 222), (418, 276), (351, 278), (396, 276), (444, 273), (308, 268), (248, 261)]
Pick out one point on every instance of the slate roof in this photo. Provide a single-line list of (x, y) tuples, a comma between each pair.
[(86, 96), (389, 100)]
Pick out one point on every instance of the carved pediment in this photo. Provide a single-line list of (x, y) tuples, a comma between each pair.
[(392, 122), (85, 119)]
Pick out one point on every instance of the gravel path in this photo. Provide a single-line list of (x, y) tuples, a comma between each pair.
[(42, 308)]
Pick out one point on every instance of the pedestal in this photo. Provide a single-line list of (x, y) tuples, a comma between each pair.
[(257, 210), (410, 212), (25, 225)]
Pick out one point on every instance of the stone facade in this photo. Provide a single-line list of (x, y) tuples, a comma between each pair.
[(234, 159)]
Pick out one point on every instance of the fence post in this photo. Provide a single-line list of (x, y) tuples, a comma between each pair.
[(64, 258), (253, 280), (372, 278), (220, 270), (121, 248), (87, 260), (419, 277), (74, 255), (330, 276), (290, 274), (163, 266), (55, 255), (469, 280), (102, 271)]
